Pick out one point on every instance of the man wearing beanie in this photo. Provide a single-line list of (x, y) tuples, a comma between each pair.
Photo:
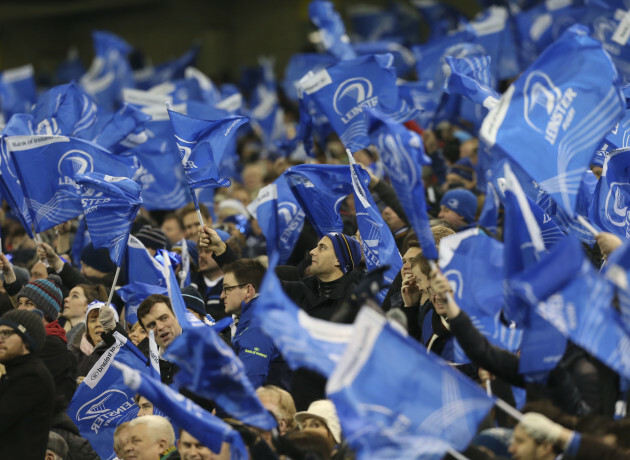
[(152, 238), (26, 389), (458, 207)]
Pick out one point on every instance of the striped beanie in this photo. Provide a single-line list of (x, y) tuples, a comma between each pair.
[(347, 249), (46, 295), (153, 238)]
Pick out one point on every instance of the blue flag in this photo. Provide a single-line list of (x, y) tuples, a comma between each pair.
[(11, 189), (110, 71), (201, 144), (377, 241), (303, 341), (103, 401), (280, 218), (565, 290), (209, 368), (489, 216), (408, 423), (552, 119), (119, 131), (18, 91), (208, 429), (169, 70), (133, 294), (50, 189), (371, 24), (611, 199), (404, 60), (617, 271), (343, 90), (141, 267), (299, 65), (331, 29), (319, 190), (442, 18), (403, 155), (81, 240), (110, 205), (470, 77)]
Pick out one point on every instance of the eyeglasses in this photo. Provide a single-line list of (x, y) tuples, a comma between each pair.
[(6, 334), (228, 289)]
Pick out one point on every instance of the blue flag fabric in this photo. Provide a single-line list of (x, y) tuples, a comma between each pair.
[(319, 190), (331, 29), (81, 240), (133, 294), (120, 131), (489, 216), (372, 24), (209, 368), (141, 267), (562, 110), (441, 17), (18, 91), (167, 71), (11, 189), (50, 189), (617, 271), (280, 218), (565, 289), (303, 341), (470, 77), (407, 423), (611, 199), (201, 144), (110, 205), (403, 155), (343, 90), (404, 60), (299, 65), (377, 241), (103, 401), (208, 429)]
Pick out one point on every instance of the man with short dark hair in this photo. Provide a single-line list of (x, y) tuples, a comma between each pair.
[(190, 219), (27, 391)]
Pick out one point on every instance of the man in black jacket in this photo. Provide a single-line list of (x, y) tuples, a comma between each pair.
[(26, 389)]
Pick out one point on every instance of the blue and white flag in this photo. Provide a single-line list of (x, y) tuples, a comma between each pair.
[(133, 294), (51, 192), (81, 240), (110, 205), (319, 190), (120, 131), (489, 216), (167, 71), (408, 423), (303, 341), (18, 91), (552, 119), (103, 401), (208, 429), (201, 145), (110, 71), (299, 65), (141, 267), (404, 60), (565, 289), (470, 260), (11, 189), (617, 271), (402, 152), (611, 199), (470, 77), (211, 369), (331, 29), (371, 24), (280, 218), (377, 241), (343, 90)]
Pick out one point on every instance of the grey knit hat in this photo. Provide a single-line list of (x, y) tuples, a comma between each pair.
[(29, 327)]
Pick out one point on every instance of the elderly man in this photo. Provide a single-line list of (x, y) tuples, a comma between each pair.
[(150, 438)]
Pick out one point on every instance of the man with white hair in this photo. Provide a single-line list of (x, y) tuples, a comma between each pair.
[(151, 437)]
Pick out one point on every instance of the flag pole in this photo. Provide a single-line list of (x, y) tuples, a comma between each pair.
[(458, 455), (38, 239), (488, 387), (511, 411), (587, 225), (111, 291), (196, 203)]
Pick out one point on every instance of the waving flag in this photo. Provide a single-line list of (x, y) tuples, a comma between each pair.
[(18, 91), (489, 216), (303, 341), (442, 18), (133, 294), (103, 401), (110, 71), (563, 110), (119, 131), (565, 289), (141, 267), (377, 241), (11, 189), (208, 429), (470, 77), (167, 71), (371, 23), (611, 199), (343, 90), (201, 145), (617, 271), (407, 423), (50, 189), (331, 29), (404, 60), (403, 155), (280, 218), (299, 65), (110, 205)]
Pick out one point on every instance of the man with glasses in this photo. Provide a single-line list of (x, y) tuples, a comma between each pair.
[(262, 360), (27, 390)]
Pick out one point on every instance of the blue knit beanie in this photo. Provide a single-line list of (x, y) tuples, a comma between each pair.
[(347, 249), (461, 201)]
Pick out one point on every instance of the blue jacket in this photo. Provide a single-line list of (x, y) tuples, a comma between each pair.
[(262, 360)]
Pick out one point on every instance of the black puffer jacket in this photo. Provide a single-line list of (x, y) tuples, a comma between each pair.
[(78, 448)]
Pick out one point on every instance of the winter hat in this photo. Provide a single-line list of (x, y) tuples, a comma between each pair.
[(463, 168), (193, 300), (153, 238), (98, 305), (347, 249), (97, 259), (29, 327), (45, 294), (323, 410), (462, 202), (57, 445)]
